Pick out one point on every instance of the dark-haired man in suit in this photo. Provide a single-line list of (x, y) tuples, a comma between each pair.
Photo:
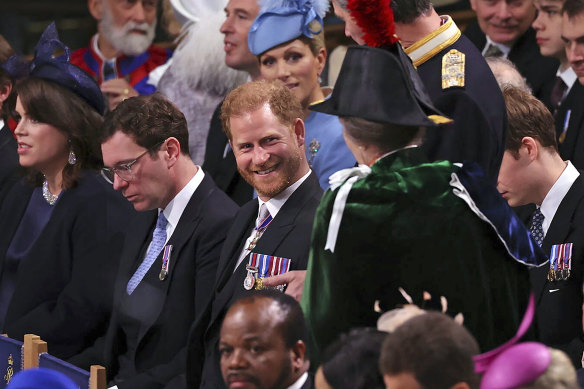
[(269, 240), (278, 358), (533, 172), (171, 249)]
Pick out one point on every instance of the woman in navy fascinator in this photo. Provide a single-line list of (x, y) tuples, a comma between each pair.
[(61, 223), (288, 39)]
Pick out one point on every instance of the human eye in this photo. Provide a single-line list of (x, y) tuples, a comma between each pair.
[(224, 351), (149, 4), (268, 61), (242, 15), (256, 349), (294, 57)]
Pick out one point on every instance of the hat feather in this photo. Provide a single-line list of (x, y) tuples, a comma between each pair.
[(320, 6), (375, 18)]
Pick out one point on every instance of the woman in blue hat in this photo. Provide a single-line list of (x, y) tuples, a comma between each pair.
[(288, 38), (61, 224)]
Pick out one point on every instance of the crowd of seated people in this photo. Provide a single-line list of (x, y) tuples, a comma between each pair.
[(441, 170)]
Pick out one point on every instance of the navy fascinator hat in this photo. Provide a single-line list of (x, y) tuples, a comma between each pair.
[(280, 21), (46, 66)]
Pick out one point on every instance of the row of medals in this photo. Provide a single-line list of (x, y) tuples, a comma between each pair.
[(558, 275)]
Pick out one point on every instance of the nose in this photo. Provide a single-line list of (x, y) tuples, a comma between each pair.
[(502, 11), (138, 12), (237, 360), (227, 26), (19, 130), (119, 183), (574, 55), (260, 156), (537, 24), (283, 72)]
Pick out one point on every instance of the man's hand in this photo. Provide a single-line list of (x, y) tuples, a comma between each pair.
[(116, 91), (294, 279)]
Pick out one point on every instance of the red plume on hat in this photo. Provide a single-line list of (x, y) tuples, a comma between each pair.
[(375, 18)]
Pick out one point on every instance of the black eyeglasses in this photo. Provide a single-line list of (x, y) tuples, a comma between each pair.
[(124, 170)]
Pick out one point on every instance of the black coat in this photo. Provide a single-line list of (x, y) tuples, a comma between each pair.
[(175, 302), (539, 71), (287, 236), (478, 110), (573, 146), (64, 285), (222, 166), (559, 303), (8, 161)]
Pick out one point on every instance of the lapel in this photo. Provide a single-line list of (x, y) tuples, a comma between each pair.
[(268, 244), (560, 229), (182, 234), (572, 102)]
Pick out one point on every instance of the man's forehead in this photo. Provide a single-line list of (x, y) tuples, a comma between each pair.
[(548, 3), (249, 6)]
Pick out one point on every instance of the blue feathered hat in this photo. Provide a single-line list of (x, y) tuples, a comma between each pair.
[(57, 69), (281, 21)]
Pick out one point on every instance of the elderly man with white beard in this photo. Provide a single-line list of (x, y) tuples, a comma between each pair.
[(121, 56)]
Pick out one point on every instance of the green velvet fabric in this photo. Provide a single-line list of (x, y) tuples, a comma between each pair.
[(403, 227)]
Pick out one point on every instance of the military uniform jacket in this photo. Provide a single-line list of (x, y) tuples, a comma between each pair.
[(462, 86), (287, 236), (559, 303), (403, 226), (572, 147)]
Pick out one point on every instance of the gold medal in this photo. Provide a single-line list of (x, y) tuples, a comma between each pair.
[(259, 284)]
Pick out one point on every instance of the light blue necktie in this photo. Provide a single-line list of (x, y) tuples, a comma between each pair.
[(158, 240)]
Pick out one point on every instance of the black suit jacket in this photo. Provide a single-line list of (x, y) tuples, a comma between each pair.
[(478, 110), (174, 302), (539, 71), (559, 303), (573, 146), (287, 236), (224, 169), (8, 161), (64, 285)]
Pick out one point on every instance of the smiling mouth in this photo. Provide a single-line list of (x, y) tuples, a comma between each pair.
[(267, 171)]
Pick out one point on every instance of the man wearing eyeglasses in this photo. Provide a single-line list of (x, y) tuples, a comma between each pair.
[(121, 56), (171, 249)]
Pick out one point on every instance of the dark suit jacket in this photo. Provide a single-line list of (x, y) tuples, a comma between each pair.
[(174, 302), (224, 170), (559, 303), (573, 146), (287, 236), (64, 285), (539, 71), (478, 110), (8, 161)]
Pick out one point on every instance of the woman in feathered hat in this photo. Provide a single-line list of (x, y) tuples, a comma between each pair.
[(287, 36), (58, 243)]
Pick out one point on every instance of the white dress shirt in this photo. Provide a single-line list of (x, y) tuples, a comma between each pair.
[(554, 197)]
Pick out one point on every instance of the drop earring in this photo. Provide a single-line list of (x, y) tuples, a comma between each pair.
[(72, 158)]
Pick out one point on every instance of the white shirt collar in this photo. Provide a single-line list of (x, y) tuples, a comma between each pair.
[(275, 203), (552, 200), (568, 76), (177, 205), (95, 48), (299, 382), (1, 124), (504, 48)]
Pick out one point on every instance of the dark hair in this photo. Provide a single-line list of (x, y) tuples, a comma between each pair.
[(6, 80), (351, 362), (406, 11), (293, 325), (573, 8), (251, 96), (51, 103), (386, 136), (149, 120), (434, 348), (527, 116)]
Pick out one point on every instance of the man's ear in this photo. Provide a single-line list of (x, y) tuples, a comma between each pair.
[(298, 353), (95, 8), (529, 147), (5, 92), (473, 5), (173, 150), (299, 131)]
